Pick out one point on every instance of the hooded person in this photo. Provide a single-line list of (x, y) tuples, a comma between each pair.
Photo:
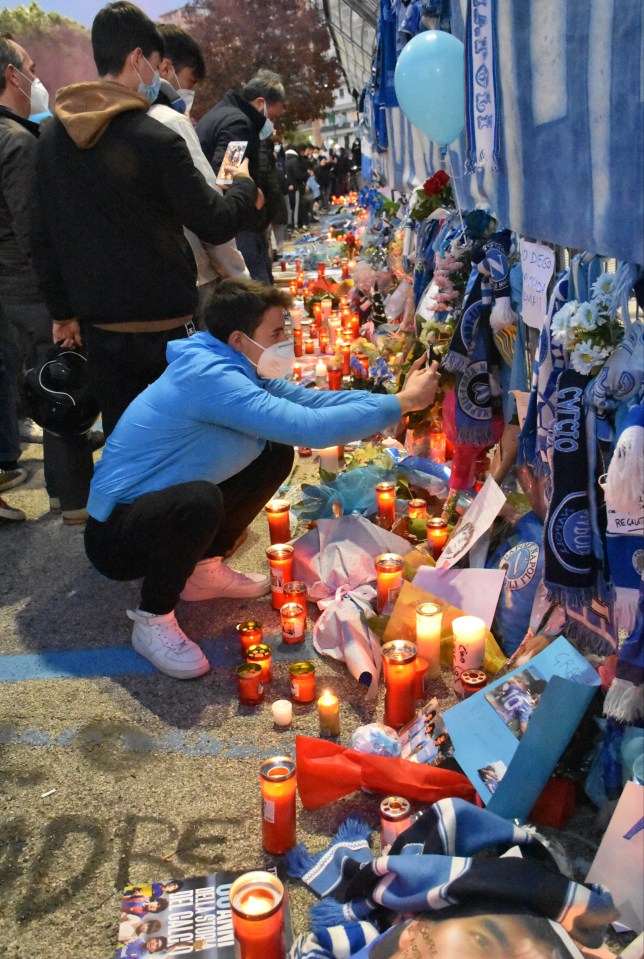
[(249, 116), (114, 190)]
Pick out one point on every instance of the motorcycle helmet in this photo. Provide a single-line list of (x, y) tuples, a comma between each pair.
[(58, 395)]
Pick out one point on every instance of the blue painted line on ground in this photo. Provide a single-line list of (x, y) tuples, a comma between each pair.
[(123, 661)]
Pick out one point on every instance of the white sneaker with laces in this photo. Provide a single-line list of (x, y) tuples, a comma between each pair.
[(214, 579), (29, 431), (161, 640)]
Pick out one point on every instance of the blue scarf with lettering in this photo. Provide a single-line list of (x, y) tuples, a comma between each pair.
[(570, 563), (451, 856)]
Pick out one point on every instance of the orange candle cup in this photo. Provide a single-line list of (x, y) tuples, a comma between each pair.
[(280, 561), (437, 535), (309, 347), (345, 271), (296, 592), (329, 714), (335, 378), (399, 661), (345, 351), (277, 513), (324, 340), (260, 653), (293, 623), (354, 326), (297, 342), (395, 817), (277, 777), (417, 509), (257, 910), (429, 621), (297, 371), (389, 577), (437, 441), (422, 668), (386, 500), (292, 287), (302, 676), (250, 633), (363, 360), (251, 686), (317, 311), (321, 270)]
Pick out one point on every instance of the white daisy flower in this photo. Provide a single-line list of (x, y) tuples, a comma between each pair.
[(602, 288), (587, 358), (562, 321), (586, 316)]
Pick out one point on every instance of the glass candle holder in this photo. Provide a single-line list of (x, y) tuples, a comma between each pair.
[(292, 287), (437, 446), (335, 378), (329, 714), (277, 778), (293, 623), (324, 340), (437, 535), (327, 306), (257, 910), (386, 500), (399, 662), (395, 817), (296, 372), (429, 621), (251, 687), (472, 680), (334, 329), (309, 347), (354, 327), (317, 311), (297, 343), (345, 271), (298, 266), (345, 351), (250, 632), (280, 561), (278, 516), (321, 269), (302, 676), (295, 592), (469, 646), (363, 360), (330, 459), (389, 577), (260, 653), (417, 509)]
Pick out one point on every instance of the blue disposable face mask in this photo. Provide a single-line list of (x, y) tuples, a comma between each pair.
[(149, 90), (268, 127)]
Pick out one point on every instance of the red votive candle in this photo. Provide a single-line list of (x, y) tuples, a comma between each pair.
[(280, 561), (257, 911), (297, 370), (297, 342), (293, 623), (417, 509), (422, 669), (386, 500), (295, 592), (345, 351), (250, 632), (389, 577), (399, 662), (309, 347), (277, 513), (260, 653), (251, 686), (321, 270), (302, 676), (277, 776), (437, 535), (335, 378)]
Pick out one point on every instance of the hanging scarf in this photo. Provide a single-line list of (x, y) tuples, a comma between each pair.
[(549, 363), (435, 864), (482, 111), (570, 564)]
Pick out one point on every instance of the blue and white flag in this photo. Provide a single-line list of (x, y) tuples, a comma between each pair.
[(482, 107)]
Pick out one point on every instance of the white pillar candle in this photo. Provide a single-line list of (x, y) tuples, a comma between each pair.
[(321, 374), (329, 459), (469, 646), (282, 710), (429, 619), (296, 317)]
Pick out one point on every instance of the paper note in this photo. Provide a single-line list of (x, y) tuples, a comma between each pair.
[(473, 523), (537, 266)]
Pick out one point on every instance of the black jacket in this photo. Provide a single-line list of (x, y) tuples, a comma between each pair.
[(114, 190), (18, 145), (234, 118)]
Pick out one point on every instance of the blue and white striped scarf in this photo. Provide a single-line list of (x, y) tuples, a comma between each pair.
[(434, 865), (482, 108)]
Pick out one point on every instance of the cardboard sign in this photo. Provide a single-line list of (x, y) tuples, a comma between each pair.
[(537, 266), (523, 723)]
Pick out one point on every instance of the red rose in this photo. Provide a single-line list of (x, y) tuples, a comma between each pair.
[(436, 183)]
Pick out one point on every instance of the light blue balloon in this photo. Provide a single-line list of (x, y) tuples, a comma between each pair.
[(430, 85)]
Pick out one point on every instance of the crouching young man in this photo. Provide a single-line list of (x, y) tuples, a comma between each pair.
[(198, 454)]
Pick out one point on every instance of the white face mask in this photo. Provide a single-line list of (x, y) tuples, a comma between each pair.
[(268, 127), (188, 97), (39, 99), (276, 361)]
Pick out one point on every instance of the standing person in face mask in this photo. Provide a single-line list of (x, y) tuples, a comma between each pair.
[(25, 333), (181, 69), (249, 115), (195, 458), (115, 189)]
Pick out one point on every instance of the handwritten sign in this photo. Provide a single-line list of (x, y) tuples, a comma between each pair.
[(537, 266)]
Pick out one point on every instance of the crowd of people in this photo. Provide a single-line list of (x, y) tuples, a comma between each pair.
[(117, 242)]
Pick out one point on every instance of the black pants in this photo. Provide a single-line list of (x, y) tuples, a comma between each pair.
[(162, 536), (122, 365)]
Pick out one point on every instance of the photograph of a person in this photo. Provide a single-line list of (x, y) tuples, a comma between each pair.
[(516, 699), (492, 774), (487, 936)]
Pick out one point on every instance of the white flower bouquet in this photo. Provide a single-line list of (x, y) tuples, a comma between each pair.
[(588, 331)]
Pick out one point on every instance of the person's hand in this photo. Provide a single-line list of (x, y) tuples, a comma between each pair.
[(420, 386), (260, 201), (242, 168), (68, 331)]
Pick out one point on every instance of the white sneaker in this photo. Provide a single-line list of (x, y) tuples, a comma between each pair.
[(29, 431), (161, 640), (213, 579)]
